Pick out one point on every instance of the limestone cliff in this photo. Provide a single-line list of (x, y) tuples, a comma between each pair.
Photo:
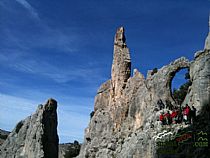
[(125, 123), (34, 137)]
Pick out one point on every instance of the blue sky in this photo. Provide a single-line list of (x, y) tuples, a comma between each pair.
[(63, 49)]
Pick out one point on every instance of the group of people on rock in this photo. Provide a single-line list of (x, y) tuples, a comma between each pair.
[(179, 115)]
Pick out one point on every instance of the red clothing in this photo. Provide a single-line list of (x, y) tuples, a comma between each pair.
[(161, 117), (174, 114), (167, 115), (186, 110)]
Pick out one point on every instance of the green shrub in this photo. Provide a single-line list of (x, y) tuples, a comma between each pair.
[(180, 93), (155, 70), (92, 114)]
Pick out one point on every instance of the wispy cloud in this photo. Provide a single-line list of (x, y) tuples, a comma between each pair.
[(60, 74), (28, 6), (48, 38), (14, 109), (37, 34), (35, 64)]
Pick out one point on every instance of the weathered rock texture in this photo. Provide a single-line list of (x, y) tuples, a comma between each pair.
[(125, 123), (200, 75), (69, 150), (121, 67), (3, 136), (207, 42), (34, 137)]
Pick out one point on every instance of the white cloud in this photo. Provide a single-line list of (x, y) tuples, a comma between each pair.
[(34, 65), (18, 53), (59, 75), (14, 109), (48, 38), (26, 5), (38, 35)]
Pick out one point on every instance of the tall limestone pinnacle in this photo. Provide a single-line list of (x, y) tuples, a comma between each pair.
[(121, 66), (207, 42)]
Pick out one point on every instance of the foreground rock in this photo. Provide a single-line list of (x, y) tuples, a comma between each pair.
[(34, 137), (125, 121)]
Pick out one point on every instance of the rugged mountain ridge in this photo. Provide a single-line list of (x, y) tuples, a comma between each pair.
[(34, 137), (125, 111)]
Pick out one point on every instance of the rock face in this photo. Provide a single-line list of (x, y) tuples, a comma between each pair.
[(69, 150), (125, 121), (199, 92), (34, 137), (3, 136), (121, 66), (160, 82), (207, 42)]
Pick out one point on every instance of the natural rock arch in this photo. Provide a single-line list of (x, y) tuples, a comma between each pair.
[(174, 68), (172, 75), (160, 82)]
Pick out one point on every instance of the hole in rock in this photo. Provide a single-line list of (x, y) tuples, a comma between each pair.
[(180, 84)]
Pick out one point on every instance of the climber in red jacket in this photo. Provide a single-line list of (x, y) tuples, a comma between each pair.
[(168, 118), (186, 113), (174, 116)]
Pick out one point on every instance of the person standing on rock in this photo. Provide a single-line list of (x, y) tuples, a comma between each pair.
[(186, 113), (161, 118), (168, 118), (180, 116), (174, 116), (193, 115), (160, 104), (169, 105)]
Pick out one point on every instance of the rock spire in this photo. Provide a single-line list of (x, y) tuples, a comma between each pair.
[(34, 137), (121, 66), (207, 42)]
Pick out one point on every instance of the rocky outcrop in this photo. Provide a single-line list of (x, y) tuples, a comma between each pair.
[(34, 137), (3, 136), (121, 66), (125, 121), (199, 92), (160, 83), (69, 150), (207, 42)]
